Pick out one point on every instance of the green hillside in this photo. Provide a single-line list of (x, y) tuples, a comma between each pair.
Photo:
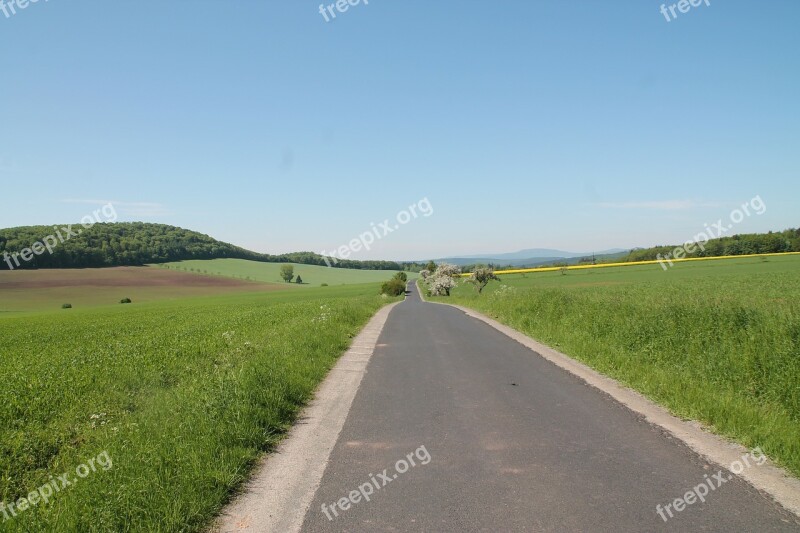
[(134, 244)]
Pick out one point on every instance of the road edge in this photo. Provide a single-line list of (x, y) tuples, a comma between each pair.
[(283, 485), (768, 478)]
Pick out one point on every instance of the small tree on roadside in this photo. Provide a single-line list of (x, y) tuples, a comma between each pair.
[(480, 277), (431, 266), (287, 273), (441, 285), (424, 273), (402, 276), (443, 280)]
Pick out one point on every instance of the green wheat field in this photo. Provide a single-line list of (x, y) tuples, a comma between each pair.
[(182, 395)]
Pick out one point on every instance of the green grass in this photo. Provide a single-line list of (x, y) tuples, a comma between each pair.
[(184, 396), (313, 276), (717, 342)]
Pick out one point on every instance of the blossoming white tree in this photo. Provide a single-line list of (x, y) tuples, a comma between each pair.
[(443, 280)]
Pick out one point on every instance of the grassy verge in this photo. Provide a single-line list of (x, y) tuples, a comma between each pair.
[(716, 343), (182, 396)]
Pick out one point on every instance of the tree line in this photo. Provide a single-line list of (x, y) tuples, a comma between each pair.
[(750, 243)]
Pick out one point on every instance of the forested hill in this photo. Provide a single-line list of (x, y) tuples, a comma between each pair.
[(134, 243)]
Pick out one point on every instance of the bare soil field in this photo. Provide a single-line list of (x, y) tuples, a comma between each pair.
[(37, 290)]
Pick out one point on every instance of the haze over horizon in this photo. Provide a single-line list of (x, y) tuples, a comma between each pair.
[(527, 125)]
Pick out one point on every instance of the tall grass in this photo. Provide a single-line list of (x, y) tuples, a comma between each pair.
[(722, 350), (183, 397)]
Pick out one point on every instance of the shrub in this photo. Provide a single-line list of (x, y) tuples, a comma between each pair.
[(299, 279), (393, 287), (324, 285), (66, 306), (125, 301), (401, 276)]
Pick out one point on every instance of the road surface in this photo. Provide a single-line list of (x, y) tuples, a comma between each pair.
[(502, 440)]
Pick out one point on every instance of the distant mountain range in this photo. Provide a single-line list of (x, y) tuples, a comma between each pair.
[(533, 257)]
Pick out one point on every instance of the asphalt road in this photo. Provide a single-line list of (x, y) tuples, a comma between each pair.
[(502, 440)]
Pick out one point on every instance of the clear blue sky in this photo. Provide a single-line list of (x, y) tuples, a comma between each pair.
[(578, 125)]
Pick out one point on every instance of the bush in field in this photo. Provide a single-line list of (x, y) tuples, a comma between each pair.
[(125, 301), (480, 277), (66, 306), (393, 287), (299, 279)]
